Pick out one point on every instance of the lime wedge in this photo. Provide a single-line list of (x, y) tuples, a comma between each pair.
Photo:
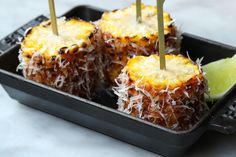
[(221, 76)]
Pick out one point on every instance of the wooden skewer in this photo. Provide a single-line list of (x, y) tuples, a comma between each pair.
[(161, 35), (138, 11), (53, 17)]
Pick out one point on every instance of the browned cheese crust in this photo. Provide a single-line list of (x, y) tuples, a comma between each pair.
[(71, 68), (119, 48), (177, 107)]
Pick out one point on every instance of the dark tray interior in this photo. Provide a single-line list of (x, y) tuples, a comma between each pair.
[(99, 114)]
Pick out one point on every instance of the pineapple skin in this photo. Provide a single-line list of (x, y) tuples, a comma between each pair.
[(118, 49), (178, 108), (72, 69)]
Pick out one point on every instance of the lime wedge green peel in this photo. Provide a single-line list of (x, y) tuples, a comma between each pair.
[(221, 76)]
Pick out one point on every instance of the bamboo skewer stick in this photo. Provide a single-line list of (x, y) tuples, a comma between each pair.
[(161, 35), (53, 17), (138, 11)]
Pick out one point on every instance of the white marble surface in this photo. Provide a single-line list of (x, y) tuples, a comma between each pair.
[(25, 132)]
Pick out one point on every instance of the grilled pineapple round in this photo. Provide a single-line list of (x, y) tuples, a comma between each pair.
[(173, 98), (124, 38), (67, 62)]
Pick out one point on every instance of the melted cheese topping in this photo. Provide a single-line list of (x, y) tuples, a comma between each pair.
[(122, 23), (147, 69), (71, 32)]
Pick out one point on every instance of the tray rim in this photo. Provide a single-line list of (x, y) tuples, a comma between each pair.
[(97, 105), (205, 118), (114, 111)]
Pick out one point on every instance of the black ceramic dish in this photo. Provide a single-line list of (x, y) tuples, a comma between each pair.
[(100, 114)]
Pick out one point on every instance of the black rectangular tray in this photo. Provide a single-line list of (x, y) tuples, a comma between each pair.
[(100, 114)]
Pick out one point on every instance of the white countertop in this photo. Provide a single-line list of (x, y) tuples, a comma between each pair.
[(25, 132)]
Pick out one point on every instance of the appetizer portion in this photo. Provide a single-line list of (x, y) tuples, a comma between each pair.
[(173, 98), (67, 62), (125, 38)]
